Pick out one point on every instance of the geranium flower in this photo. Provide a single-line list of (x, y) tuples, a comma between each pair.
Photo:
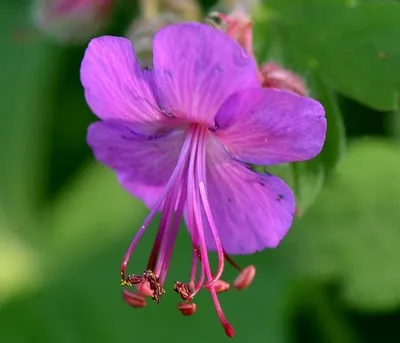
[(179, 137)]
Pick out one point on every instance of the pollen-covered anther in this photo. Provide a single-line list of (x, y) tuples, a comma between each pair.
[(131, 280), (133, 299), (187, 309), (245, 278), (183, 290), (154, 285), (221, 286), (144, 289)]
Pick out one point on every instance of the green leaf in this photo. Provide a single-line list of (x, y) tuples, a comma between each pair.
[(355, 49), (351, 236), (93, 208), (335, 142), (24, 130), (93, 221)]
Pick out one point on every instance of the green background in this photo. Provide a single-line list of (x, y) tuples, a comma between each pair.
[(65, 222)]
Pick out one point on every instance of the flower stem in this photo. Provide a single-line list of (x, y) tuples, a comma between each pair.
[(148, 8)]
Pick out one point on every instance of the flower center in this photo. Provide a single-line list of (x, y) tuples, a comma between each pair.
[(186, 189)]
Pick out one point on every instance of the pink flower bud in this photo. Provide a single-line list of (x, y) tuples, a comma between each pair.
[(72, 20), (275, 76)]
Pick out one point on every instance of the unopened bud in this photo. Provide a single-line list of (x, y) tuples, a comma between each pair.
[(245, 278), (221, 286), (237, 25), (134, 300), (144, 289), (275, 76), (72, 20), (187, 309)]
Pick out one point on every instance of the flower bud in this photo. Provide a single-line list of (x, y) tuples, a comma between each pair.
[(275, 76), (72, 20)]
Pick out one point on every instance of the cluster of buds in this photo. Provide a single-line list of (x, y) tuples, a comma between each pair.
[(239, 26)]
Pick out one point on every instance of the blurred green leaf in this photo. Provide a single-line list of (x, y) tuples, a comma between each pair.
[(27, 79), (355, 49), (92, 212), (352, 234), (93, 222), (335, 142)]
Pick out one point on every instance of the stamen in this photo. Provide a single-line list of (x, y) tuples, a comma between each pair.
[(207, 208), (155, 285), (232, 262), (134, 300), (144, 289), (221, 286), (245, 278), (170, 236), (132, 279), (196, 286), (187, 309), (151, 278), (177, 173), (183, 290), (195, 178)]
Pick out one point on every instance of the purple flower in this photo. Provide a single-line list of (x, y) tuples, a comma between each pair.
[(178, 136)]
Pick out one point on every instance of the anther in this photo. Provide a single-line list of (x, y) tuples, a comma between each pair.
[(245, 278), (144, 289), (221, 286), (187, 309), (154, 285), (132, 279), (183, 290), (134, 300)]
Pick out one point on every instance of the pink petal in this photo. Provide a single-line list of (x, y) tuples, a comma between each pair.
[(252, 211), (196, 68), (115, 86), (143, 164), (269, 126)]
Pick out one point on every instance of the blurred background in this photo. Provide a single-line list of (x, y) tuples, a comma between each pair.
[(65, 222)]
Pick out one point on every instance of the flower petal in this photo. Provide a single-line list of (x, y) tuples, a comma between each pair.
[(252, 211), (269, 126), (196, 68), (143, 164), (115, 86)]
